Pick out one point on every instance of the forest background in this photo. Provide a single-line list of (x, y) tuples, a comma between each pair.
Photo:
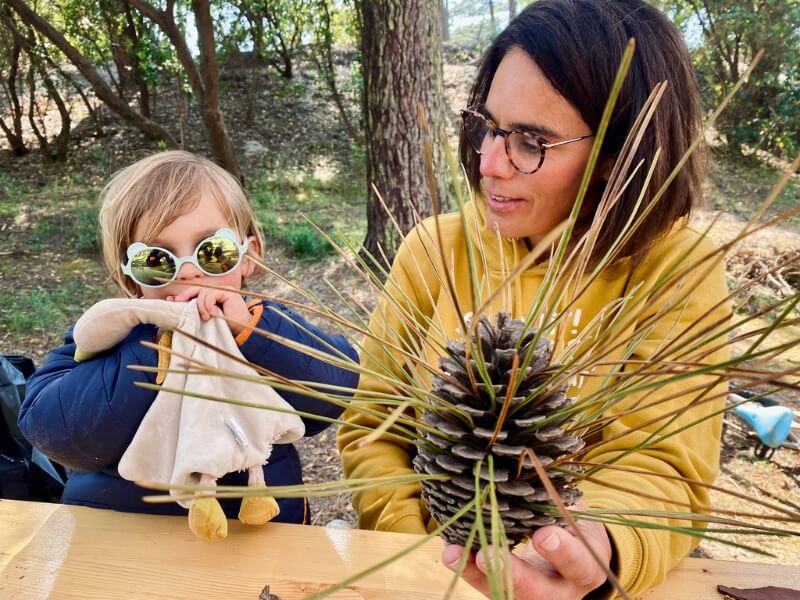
[(310, 103)]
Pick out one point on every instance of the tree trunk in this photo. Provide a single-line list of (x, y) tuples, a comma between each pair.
[(323, 58), (401, 49), (14, 133), (512, 9), (33, 111), (151, 129), (138, 75), (62, 139), (444, 16), (205, 84), (218, 138)]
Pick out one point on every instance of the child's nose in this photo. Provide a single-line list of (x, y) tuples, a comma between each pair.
[(189, 271)]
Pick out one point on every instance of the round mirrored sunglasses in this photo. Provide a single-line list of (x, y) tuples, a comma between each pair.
[(154, 267)]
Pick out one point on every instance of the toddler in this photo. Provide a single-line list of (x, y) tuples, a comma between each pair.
[(170, 223)]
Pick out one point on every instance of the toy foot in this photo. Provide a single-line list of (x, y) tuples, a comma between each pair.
[(207, 520), (257, 510)]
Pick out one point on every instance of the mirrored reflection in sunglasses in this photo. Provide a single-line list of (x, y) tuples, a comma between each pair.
[(150, 266)]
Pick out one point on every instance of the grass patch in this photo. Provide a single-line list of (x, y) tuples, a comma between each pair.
[(12, 194), (739, 185), (331, 194), (72, 228), (302, 240), (34, 310)]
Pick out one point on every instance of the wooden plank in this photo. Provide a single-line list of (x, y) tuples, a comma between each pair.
[(697, 578), (93, 554), (68, 552), (19, 522)]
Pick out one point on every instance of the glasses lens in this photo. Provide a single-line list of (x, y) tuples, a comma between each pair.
[(525, 151), (218, 255), (476, 130), (150, 263)]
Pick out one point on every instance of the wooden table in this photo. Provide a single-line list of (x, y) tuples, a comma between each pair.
[(67, 552)]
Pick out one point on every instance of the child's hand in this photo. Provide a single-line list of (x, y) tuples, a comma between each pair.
[(210, 302)]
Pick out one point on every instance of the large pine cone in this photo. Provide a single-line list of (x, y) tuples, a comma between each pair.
[(456, 445)]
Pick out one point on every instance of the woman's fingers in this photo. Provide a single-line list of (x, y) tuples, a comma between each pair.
[(570, 557), (471, 573), (554, 564)]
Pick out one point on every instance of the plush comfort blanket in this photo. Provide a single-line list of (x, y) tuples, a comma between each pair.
[(184, 435)]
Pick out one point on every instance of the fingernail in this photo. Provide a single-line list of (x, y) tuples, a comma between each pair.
[(451, 554), (551, 543)]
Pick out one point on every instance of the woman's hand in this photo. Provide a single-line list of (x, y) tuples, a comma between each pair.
[(554, 564), (212, 302)]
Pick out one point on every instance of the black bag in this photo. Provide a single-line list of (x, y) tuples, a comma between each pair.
[(25, 473)]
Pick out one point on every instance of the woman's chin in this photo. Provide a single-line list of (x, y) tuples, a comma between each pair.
[(505, 227)]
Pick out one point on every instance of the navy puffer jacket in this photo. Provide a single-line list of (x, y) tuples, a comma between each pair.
[(85, 414)]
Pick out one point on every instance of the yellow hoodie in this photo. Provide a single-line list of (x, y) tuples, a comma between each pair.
[(642, 556)]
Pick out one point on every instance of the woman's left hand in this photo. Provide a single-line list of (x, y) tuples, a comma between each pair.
[(554, 564)]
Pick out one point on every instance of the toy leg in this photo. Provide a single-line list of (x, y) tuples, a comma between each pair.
[(206, 517), (257, 510)]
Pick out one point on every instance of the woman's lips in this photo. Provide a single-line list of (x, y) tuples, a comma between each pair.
[(500, 204)]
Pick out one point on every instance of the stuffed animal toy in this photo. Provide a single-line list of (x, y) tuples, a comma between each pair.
[(183, 438)]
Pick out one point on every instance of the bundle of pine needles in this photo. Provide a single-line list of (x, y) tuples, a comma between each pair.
[(514, 414)]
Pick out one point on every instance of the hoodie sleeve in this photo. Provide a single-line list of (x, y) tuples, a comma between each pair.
[(297, 365), (84, 414)]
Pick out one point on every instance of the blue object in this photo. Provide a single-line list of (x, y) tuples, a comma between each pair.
[(771, 423)]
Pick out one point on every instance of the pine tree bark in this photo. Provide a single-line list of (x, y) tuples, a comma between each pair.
[(401, 49), (444, 17)]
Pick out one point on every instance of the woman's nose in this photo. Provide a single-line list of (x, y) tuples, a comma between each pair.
[(494, 160)]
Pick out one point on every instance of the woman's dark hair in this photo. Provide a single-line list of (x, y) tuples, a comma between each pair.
[(578, 45)]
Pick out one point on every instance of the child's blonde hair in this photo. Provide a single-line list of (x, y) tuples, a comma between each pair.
[(161, 188)]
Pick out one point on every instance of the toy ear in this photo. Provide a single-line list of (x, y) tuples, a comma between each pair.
[(109, 321)]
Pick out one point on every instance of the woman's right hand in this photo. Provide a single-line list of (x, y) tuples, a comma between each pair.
[(554, 565)]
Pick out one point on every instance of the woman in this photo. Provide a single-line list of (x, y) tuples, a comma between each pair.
[(535, 107)]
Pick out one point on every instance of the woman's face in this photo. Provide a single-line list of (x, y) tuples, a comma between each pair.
[(529, 206)]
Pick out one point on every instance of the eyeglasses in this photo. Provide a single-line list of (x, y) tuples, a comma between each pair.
[(525, 150), (217, 255)]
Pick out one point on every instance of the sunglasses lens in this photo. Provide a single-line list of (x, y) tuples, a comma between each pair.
[(150, 263), (218, 255)]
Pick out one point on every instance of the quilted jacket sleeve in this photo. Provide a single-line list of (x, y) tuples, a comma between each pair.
[(84, 414), (295, 364)]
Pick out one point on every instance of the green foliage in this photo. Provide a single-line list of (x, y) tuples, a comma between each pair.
[(101, 158), (274, 29), (765, 113), (301, 239)]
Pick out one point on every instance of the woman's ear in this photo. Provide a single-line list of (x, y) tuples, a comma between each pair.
[(607, 167)]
